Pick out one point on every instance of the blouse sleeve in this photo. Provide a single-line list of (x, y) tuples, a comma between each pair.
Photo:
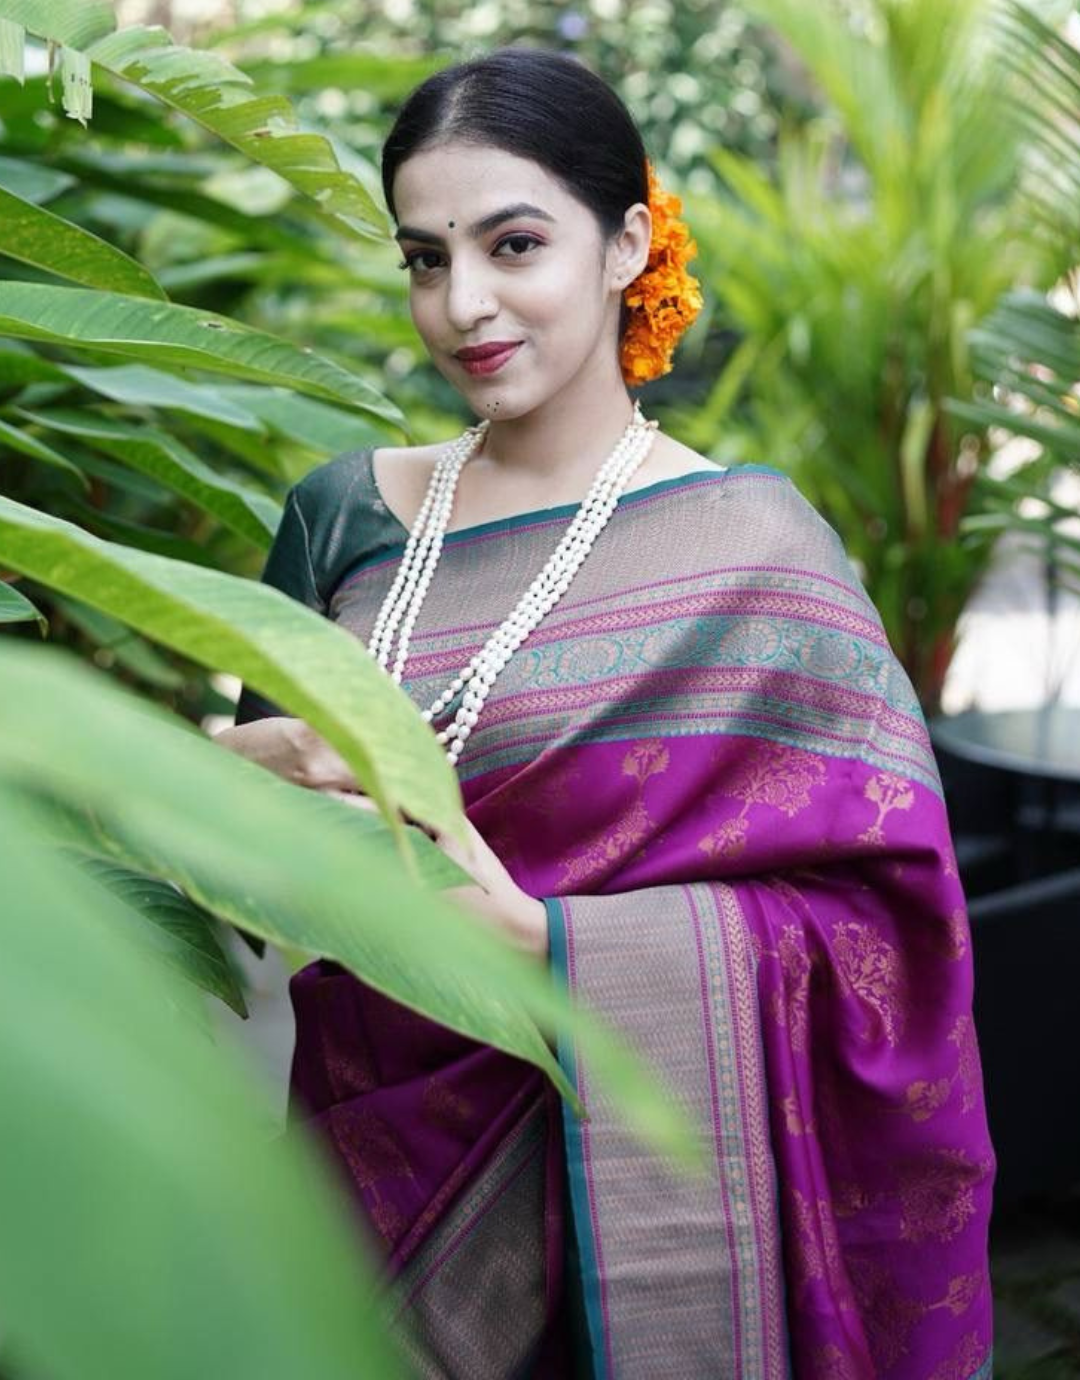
[(288, 568)]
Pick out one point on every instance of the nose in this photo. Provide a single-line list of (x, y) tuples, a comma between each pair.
[(470, 296)]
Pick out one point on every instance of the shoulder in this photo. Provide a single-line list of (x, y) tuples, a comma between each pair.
[(400, 476), (671, 459), (343, 516), (759, 518), (345, 475)]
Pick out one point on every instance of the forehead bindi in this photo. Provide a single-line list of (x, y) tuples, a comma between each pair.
[(470, 190), (476, 230)]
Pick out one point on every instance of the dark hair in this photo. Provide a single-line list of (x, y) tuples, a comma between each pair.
[(540, 105)]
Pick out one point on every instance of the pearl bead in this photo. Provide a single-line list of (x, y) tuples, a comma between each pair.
[(401, 607)]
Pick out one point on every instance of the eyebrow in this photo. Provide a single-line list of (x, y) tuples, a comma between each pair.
[(480, 227)]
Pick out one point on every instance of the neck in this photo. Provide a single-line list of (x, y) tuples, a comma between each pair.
[(567, 437)]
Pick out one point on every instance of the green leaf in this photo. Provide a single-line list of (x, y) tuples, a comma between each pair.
[(243, 264), (163, 333), (144, 1203), (19, 365), (77, 92), (171, 803), (139, 386), (14, 439), (17, 608), (298, 659), (177, 929), (12, 50), (145, 181), (74, 22), (171, 926), (32, 181), (118, 644), (250, 514), (35, 236), (209, 90), (134, 534), (312, 423)]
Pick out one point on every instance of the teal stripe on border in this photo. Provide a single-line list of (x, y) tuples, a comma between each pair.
[(575, 1159), (508, 524)]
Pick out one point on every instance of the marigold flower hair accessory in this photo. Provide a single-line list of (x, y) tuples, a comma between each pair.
[(664, 299)]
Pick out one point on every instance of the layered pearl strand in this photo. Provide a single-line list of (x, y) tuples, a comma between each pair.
[(402, 604)]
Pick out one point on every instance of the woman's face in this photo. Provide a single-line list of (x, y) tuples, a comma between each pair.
[(499, 252)]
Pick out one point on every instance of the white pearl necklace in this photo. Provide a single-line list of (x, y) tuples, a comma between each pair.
[(405, 598)]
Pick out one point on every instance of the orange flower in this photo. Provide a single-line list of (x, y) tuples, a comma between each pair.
[(664, 299)]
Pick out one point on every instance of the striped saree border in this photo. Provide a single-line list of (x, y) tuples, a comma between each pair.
[(578, 1151), (489, 1245), (745, 1323)]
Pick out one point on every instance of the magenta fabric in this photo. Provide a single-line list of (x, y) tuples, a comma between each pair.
[(722, 712)]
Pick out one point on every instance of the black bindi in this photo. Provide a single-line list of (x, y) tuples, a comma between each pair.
[(450, 224)]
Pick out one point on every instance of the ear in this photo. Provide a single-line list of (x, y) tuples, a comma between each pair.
[(628, 252)]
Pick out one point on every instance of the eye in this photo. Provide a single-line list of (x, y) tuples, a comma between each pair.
[(522, 244), (413, 264)]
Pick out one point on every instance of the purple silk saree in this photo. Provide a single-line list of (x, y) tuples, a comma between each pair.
[(708, 763)]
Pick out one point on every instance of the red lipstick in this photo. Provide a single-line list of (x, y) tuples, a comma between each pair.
[(486, 358)]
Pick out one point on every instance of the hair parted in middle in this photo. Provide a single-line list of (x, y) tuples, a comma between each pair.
[(540, 105)]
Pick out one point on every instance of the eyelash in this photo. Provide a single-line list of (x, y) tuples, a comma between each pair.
[(410, 260)]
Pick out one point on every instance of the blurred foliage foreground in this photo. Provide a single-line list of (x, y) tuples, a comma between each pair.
[(160, 267), (151, 1225)]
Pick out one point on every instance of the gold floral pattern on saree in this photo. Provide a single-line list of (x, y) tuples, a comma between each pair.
[(791, 1007), (772, 774), (616, 843), (830, 1363), (373, 1153), (957, 934), (442, 1106), (962, 1292), (922, 1099), (968, 1070), (936, 1198), (849, 1198), (818, 1252), (964, 1361), (389, 1223), (349, 1071), (645, 760), (894, 1314), (888, 792), (793, 1121), (870, 967)]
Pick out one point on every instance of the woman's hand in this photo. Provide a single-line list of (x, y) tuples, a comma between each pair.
[(291, 749), (495, 896)]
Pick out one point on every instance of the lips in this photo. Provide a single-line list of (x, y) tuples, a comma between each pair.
[(485, 359), (492, 347)]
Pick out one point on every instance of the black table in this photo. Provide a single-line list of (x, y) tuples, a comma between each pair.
[(1023, 766), (1041, 742), (1035, 755)]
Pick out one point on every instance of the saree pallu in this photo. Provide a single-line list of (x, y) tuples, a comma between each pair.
[(712, 769)]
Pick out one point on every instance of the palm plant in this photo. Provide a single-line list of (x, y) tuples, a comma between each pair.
[(1028, 349), (150, 1229), (853, 281)]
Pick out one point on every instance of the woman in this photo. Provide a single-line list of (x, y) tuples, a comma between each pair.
[(699, 785)]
